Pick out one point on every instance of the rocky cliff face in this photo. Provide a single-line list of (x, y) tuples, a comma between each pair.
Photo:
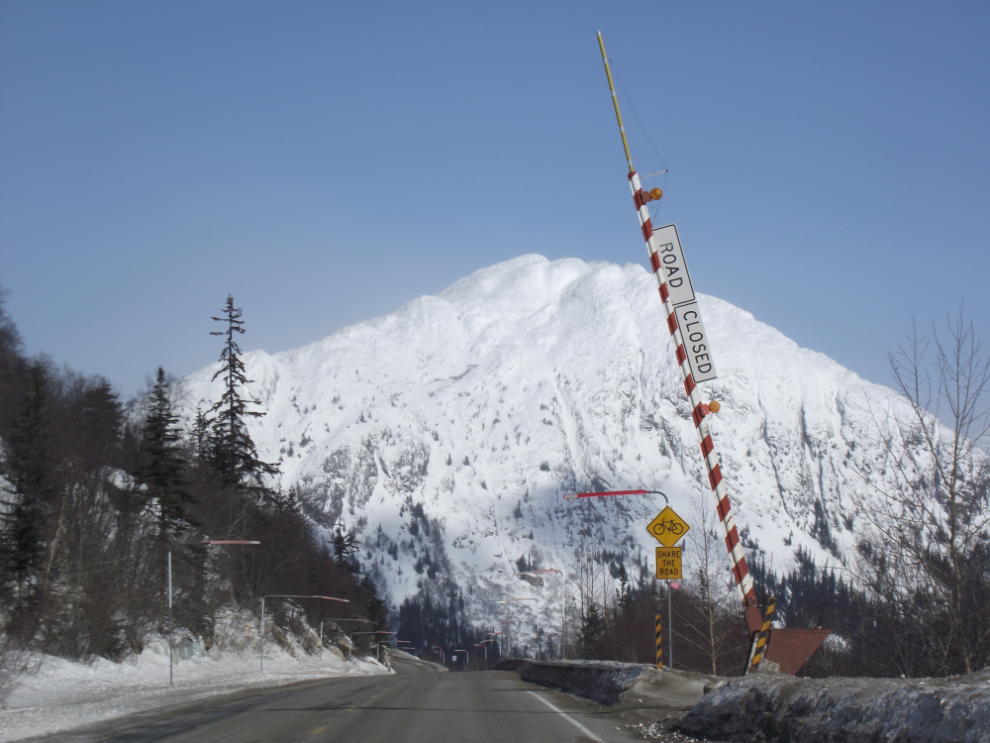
[(446, 433)]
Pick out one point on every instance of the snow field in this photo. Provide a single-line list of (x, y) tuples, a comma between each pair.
[(63, 695)]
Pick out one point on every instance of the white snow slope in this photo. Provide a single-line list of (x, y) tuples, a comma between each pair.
[(445, 433), (62, 695)]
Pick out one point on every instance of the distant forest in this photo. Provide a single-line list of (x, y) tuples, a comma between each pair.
[(95, 489)]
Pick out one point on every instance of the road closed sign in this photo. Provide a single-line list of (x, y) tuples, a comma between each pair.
[(669, 563), (669, 262), (697, 347)]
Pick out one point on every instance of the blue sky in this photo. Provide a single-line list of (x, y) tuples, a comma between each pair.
[(327, 162)]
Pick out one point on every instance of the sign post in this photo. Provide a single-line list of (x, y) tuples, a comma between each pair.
[(668, 528), (659, 642)]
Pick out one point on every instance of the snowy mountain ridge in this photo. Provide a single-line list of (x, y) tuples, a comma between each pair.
[(444, 434)]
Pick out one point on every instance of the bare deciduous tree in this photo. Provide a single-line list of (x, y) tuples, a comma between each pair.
[(713, 598), (931, 557)]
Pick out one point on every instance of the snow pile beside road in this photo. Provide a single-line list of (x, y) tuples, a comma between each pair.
[(63, 695), (846, 710)]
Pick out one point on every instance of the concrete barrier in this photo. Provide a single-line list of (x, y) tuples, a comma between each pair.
[(609, 682)]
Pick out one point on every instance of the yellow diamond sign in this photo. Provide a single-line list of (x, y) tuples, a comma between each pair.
[(668, 527)]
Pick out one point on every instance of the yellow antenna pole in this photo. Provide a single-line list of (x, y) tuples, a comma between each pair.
[(615, 102)]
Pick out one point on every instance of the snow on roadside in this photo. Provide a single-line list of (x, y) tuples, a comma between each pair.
[(63, 695), (850, 710)]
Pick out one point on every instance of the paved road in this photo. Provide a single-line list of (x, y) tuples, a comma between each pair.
[(415, 705)]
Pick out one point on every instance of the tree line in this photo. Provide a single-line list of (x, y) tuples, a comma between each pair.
[(94, 490)]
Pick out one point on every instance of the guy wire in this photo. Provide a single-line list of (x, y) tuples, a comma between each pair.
[(640, 122)]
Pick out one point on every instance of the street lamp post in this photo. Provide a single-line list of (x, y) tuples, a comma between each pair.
[(508, 636), (496, 637), (375, 632), (610, 493), (484, 644), (338, 619), (287, 596), (201, 543), (563, 606), (530, 598)]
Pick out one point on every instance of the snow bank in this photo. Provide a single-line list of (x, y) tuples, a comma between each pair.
[(63, 695), (846, 710)]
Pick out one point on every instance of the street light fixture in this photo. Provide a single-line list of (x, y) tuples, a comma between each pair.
[(338, 619), (508, 636), (378, 644), (496, 637), (573, 496), (376, 632), (200, 543), (287, 596), (529, 598), (485, 646), (563, 606), (608, 493)]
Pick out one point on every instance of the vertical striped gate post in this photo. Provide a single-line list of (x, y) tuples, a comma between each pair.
[(659, 642), (740, 571), (759, 650)]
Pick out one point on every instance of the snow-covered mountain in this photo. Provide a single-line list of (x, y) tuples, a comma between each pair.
[(445, 433)]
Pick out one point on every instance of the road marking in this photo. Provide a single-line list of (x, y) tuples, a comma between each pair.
[(318, 730), (570, 719)]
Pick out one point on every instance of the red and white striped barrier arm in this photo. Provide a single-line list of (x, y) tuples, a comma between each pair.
[(744, 581)]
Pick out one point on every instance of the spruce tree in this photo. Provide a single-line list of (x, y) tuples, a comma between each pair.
[(29, 497), (344, 547), (200, 433), (233, 452), (162, 473)]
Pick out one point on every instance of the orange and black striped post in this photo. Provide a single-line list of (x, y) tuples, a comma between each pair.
[(659, 643), (761, 640)]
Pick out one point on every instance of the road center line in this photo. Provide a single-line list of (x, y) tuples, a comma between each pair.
[(570, 719)]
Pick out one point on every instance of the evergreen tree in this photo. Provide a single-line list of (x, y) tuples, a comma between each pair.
[(31, 492), (344, 547), (162, 473), (12, 367), (593, 626), (100, 424), (233, 452), (375, 605), (200, 433)]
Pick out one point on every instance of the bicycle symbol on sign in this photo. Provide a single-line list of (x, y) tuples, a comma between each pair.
[(666, 525)]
